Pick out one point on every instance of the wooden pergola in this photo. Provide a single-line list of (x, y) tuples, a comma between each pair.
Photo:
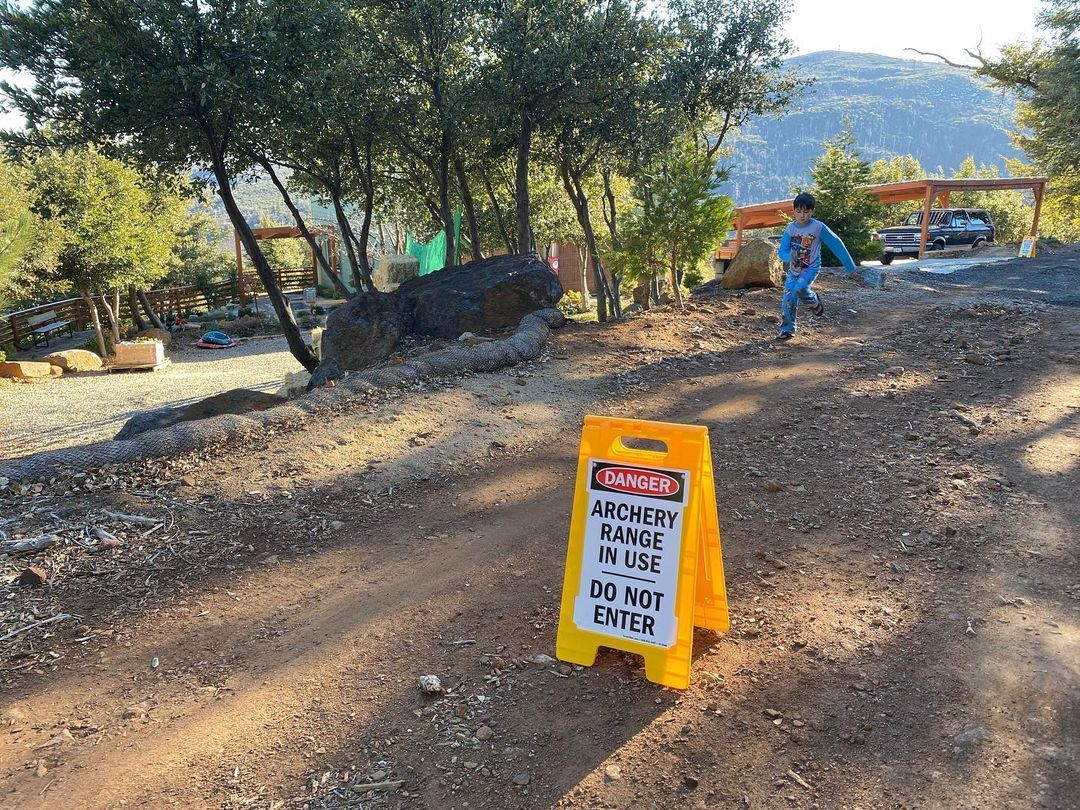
[(775, 214), (286, 232)]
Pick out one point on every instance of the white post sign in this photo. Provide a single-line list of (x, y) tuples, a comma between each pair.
[(630, 560)]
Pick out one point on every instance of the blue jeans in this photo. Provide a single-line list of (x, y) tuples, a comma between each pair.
[(796, 289)]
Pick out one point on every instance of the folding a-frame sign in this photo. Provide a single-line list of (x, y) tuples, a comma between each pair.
[(778, 213)]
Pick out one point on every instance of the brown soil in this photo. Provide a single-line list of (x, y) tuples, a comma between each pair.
[(904, 612)]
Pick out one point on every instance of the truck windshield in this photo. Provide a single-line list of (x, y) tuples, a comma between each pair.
[(936, 217)]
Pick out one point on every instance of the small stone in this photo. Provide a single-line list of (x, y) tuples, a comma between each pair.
[(484, 733), (911, 436), (772, 713), (41, 769), (429, 684), (511, 752), (522, 779), (975, 359), (895, 371), (471, 766), (541, 660), (564, 669), (377, 776), (138, 711), (774, 486), (691, 782), (612, 773), (461, 710), (520, 381), (971, 735), (337, 525)]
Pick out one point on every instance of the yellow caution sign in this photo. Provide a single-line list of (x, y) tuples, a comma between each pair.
[(643, 565)]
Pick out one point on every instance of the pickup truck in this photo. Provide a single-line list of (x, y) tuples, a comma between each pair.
[(950, 228)]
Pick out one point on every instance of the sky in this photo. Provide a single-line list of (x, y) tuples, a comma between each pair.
[(885, 27), (888, 27)]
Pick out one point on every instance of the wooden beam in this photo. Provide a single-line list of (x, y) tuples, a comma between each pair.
[(739, 232), (1038, 210), (943, 197), (927, 206)]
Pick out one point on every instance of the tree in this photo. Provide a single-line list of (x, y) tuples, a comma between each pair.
[(197, 256), (16, 222), (164, 82), (113, 233), (841, 204), (680, 219), (1011, 215), (896, 169)]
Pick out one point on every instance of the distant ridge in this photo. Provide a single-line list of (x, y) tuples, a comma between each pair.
[(937, 113)]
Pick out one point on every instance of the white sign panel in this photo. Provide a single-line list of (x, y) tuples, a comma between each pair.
[(630, 560)]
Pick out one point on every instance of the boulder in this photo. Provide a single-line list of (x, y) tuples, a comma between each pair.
[(755, 265), (362, 332), (393, 269), (236, 401), (55, 371), (25, 370), (74, 360), (489, 294)]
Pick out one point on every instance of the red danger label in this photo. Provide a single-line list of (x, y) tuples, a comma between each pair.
[(609, 477)]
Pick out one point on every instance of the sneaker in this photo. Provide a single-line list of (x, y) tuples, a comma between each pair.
[(819, 310), (784, 336)]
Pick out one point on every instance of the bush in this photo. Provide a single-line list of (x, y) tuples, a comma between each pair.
[(91, 344), (693, 277), (3, 356), (571, 303)]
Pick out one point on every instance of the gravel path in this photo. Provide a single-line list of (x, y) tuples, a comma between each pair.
[(80, 408)]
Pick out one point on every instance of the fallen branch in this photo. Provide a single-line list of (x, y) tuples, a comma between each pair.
[(145, 521), (59, 617), (29, 545)]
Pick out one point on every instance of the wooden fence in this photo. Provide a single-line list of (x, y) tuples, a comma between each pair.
[(15, 332)]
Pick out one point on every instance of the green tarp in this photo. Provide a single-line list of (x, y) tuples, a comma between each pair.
[(432, 255)]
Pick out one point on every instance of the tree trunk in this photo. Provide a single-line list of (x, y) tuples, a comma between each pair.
[(676, 291), (133, 308), (521, 184), (148, 308), (361, 275), (366, 173), (320, 257), (96, 321), (281, 306), (447, 215), (586, 297), (572, 184), (113, 311), (497, 211), (470, 209)]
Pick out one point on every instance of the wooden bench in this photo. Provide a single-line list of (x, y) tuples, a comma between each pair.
[(44, 324)]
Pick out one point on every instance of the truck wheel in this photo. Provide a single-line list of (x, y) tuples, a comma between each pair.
[(939, 244), (978, 244), (886, 258)]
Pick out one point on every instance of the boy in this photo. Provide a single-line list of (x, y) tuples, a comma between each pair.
[(800, 248)]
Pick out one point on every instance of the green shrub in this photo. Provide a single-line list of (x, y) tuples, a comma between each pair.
[(3, 356), (571, 303)]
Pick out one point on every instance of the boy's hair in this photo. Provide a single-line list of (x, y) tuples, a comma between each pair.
[(804, 200)]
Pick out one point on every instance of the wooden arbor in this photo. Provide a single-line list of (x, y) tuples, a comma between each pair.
[(775, 214), (298, 278)]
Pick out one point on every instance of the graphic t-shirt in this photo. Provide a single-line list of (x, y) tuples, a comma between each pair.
[(801, 245)]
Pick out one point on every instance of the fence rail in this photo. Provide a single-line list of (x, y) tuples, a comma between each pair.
[(15, 329)]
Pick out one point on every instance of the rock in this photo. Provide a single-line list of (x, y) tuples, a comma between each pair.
[(328, 372), (32, 577), (541, 660), (510, 753), (74, 360), (612, 773), (774, 486), (691, 782), (363, 331), (484, 733), (41, 769), (236, 401), (137, 711), (975, 359), (295, 384), (25, 370), (633, 309), (772, 713), (895, 371), (480, 296), (522, 779), (63, 738), (55, 371), (470, 765), (755, 265), (157, 334), (429, 684), (972, 735), (394, 268)]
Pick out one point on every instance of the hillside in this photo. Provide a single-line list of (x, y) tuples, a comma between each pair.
[(896, 106)]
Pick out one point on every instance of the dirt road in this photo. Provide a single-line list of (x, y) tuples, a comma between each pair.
[(897, 494)]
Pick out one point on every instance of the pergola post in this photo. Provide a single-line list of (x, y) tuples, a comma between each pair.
[(943, 198), (314, 269), (241, 290), (738, 232), (1038, 209), (927, 206)]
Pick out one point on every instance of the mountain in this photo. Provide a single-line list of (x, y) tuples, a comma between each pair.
[(937, 113)]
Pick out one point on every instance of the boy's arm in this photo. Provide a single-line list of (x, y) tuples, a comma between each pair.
[(784, 251), (834, 243)]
